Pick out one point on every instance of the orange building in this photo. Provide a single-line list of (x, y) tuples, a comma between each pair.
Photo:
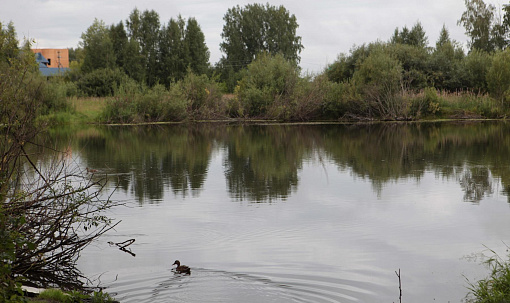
[(57, 58)]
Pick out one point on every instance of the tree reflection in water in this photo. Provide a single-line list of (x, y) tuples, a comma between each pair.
[(262, 162)]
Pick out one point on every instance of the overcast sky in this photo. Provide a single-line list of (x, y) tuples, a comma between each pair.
[(327, 27)]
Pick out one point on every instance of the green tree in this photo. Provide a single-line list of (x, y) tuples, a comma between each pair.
[(97, 47), (119, 39), (172, 51), (268, 80), (134, 62), (196, 50), (413, 60), (379, 81), (486, 31), (415, 37), (444, 37), (498, 76), (345, 65), (474, 70), (149, 44), (8, 42), (445, 63), (144, 28), (257, 28), (134, 24)]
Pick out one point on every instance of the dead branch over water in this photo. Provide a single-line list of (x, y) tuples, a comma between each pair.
[(60, 212)]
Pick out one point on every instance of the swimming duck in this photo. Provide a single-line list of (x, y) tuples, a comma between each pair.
[(182, 269)]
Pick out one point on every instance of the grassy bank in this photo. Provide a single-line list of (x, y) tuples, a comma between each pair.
[(59, 296), (88, 109), (428, 105)]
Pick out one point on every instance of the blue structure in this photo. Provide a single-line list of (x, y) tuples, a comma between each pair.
[(48, 71)]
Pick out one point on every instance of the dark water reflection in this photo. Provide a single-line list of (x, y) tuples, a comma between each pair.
[(262, 163), (298, 213)]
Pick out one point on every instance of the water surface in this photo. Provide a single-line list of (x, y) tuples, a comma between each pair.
[(298, 213)]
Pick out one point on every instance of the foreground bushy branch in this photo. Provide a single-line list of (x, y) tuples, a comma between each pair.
[(60, 213), (49, 210)]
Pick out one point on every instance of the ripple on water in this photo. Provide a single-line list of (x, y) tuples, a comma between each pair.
[(205, 285)]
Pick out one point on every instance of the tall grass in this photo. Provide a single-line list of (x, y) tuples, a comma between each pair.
[(496, 287), (431, 103)]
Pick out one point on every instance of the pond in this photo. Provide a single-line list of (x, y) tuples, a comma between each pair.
[(298, 213)]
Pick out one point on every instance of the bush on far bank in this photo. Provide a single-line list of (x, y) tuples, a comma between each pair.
[(194, 97)]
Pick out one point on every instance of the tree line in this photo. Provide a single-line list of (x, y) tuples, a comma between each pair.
[(143, 49), (402, 78)]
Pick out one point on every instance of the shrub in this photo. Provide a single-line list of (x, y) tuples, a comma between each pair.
[(474, 70), (340, 99), (378, 79), (132, 104), (202, 96), (425, 103), (102, 82), (498, 76), (269, 81), (55, 98), (413, 60)]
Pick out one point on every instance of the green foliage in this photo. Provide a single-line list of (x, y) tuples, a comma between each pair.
[(484, 27), (414, 64), (182, 46), (102, 82), (271, 88), (339, 99), (425, 103), (202, 96), (144, 29), (54, 295), (257, 28), (474, 70), (131, 105), (97, 47), (100, 297), (147, 52), (378, 79), (498, 76), (343, 69), (194, 97), (195, 48), (55, 96), (173, 56), (268, 80), (57, 295), (444, 66), (10, 287), (119, 39), (8, 43), (496, 287), (414, 37)]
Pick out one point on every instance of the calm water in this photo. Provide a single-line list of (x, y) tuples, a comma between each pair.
[(316, 213)]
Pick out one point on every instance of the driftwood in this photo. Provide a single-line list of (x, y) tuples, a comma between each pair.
[(122, 246)]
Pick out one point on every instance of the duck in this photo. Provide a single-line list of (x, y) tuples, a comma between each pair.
[(89, 170), (181, 269)]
